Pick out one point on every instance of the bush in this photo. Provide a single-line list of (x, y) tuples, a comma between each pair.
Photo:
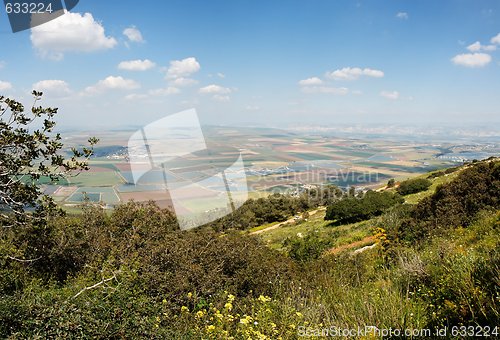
[(303, 249), (412, 186), (351, 209), (454, 204)]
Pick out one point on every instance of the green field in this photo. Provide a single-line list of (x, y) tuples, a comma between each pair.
[(96, 179)]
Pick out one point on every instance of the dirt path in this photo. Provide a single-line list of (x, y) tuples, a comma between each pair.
[(364, 242), (277, 225)]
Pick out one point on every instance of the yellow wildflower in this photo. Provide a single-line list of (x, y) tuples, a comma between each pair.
[(299, 314), (184, 309), (200, 314), (228, 306), (230, 298), (210, 328), (190, 295), (246, 320), (263, 298)]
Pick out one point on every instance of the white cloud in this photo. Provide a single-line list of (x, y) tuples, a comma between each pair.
[(164, 91), (340, 91), (221, 75), (112, 83), (476, 47), (71, 32), (402, 15), (390, 94), (182, 68), (52, 87), (5, 85), (136, 65), (496, 39), (182, 82), (310, 81), (472, 59), (215, 89), (133, 34), (348, 73), (219, 93)]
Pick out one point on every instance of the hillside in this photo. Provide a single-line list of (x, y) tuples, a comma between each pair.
[(132, 273), (356, 234)]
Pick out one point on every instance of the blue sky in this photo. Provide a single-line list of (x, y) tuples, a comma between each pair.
[(273, 63)]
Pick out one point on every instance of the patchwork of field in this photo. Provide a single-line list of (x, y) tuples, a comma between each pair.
[(274, 161)]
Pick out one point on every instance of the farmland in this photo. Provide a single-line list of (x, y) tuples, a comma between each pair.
[(274, 161)]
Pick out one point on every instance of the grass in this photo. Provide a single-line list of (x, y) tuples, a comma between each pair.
[(264, 226), (415, 198), (339, 235), (96, 179)]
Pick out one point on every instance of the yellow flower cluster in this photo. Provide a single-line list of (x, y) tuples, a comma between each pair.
[(224, 323)]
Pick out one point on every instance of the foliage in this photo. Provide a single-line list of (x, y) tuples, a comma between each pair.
[(351, 209), (276, 208), (412, 186), (133, 274), (29, 151), (306, 248), (391, 183), (454, 204)]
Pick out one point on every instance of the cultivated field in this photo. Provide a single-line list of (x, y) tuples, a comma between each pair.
[(275, 161)]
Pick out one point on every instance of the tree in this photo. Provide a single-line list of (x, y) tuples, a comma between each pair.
[(353, 209), (30, 152), (412, 186), (391, 183)]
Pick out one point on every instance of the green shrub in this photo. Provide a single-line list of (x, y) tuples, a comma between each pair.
[(307, 248), (351, 209), (412, 186), (454, 204)]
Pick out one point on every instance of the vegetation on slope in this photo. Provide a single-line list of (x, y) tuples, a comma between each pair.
[(133, 273)]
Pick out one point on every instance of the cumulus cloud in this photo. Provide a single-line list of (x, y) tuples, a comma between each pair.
[(476, 47), (133, 34), (112, 83), (136, 65), (219, 93), (215, 89), (496, 39), (71, 32), (472, 59), (340, 91), (390, 94), (53, 87), (310, 81), (353, 73), (182, 82), (5, 85), (183, 68), (402, 15)]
